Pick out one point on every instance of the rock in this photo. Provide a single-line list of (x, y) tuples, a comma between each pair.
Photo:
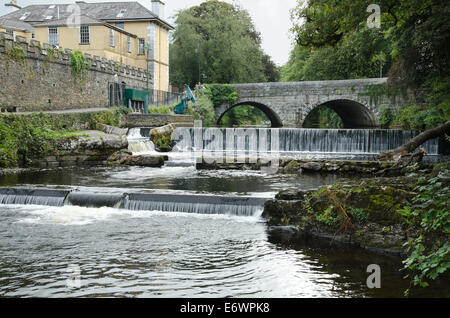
[(110, 130), (290, 194), (92, 140), (120, 156), (144, 161), (312, 166), (162, 137), (281, 212), (292, 167)]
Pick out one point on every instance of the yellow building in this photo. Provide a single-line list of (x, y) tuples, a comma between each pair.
[(125, 32), (15, 28)]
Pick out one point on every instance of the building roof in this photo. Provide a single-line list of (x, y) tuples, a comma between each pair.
[(15, 25), (105, 11), (84, 20)]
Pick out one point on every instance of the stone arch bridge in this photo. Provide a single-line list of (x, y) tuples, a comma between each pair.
[(288, 104)]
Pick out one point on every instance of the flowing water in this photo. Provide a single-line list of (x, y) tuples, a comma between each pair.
[(169, 232)]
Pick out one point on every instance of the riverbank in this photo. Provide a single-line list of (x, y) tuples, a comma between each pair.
[(404, 216)]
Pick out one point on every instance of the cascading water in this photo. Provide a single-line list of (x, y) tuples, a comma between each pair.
[(194, 204), (239, 206), (138, 142), (339, 141), (33, 196)]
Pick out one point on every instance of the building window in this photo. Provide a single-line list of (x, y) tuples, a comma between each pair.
[(53, 36), (141, 46), (10, 31), (84, 34), (129, 44), (120, 25), (32, 35), (111, 37)]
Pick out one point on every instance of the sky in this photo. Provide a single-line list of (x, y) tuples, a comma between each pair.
[(271, 19)]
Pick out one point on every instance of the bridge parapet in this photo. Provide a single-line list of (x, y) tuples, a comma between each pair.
[(288, 104)]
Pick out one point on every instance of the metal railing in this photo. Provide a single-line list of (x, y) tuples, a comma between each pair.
[(116, 93), (163, 98)]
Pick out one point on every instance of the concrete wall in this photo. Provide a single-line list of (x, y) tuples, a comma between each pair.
[(42, 82), (291, 102)]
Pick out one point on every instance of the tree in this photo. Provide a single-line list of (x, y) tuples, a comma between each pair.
[(270, 69), (216, 42), (360, 54), (412, 46)]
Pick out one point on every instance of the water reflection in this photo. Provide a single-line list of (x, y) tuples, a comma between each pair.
[(152, 254)]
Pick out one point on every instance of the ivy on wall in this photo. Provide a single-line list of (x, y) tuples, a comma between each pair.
[(79, 66)]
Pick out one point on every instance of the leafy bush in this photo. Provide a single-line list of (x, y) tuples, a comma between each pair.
[(79, 66), (160, 110), (358, 215), (386, 118), (23, 138), (220, 94), (429, 253), (114, 116), (205, 112)]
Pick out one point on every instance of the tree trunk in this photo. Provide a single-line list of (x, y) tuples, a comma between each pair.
[(414, 143)]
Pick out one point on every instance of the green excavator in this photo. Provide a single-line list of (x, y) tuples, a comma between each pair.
[(181, 108)]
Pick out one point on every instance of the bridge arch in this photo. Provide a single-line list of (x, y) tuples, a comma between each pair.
[(271, 115), (353, 114)]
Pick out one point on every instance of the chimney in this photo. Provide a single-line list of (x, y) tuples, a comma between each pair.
[(158, 8), (12, 6)]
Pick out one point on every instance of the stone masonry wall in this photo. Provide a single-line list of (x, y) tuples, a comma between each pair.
[(292, 102), (35, 79)]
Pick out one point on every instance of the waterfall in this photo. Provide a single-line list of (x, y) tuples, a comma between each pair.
[(198, 204), (138, 140), (194, 204), (342, 141), (33, 196)]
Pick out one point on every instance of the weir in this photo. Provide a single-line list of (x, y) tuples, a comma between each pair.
[(33, 196), (198, 204), (349, 141)]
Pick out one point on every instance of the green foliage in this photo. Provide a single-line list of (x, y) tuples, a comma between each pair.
[(243, 115), (205, 112), (334, 42), (328, 216), (79, 66), (358, 215), (160, 110), (418, 117), (360, 54), (163, 142), (16, 53), (323, 117), (429, 253), (386, 118), (218, 40), (113, 117), (24, 138), (220, 94)]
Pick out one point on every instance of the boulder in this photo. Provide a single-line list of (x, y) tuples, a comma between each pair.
[(162, 137), (290, 194), (312, 166)]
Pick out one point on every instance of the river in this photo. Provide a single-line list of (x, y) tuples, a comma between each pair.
[(213, 249)]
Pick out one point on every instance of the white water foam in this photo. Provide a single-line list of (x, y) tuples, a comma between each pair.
[(78, 216)]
